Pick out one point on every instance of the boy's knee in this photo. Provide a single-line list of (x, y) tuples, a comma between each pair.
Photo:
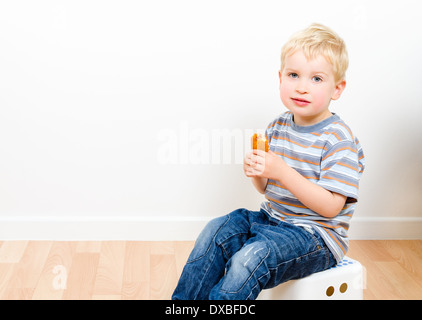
[(251, 256), (212, 227), (228, 232), (225, 227), (244, 264), (240, 215), (207, 237)]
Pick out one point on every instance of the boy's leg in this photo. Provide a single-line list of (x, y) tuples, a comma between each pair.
[(273, 254), (221, 238)]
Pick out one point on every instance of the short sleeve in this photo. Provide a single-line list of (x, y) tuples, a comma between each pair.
[(341, 168)]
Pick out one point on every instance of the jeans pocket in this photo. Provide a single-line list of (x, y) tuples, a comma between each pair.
[(312, 262)]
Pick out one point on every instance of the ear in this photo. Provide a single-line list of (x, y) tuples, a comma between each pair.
[(340, 86), (279, 76)]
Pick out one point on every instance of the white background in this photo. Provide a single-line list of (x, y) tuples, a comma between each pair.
[(92, 92)]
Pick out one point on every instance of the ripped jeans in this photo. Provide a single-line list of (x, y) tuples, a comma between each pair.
[(239, 254)]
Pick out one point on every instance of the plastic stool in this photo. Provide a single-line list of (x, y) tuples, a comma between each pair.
[(341, 282)]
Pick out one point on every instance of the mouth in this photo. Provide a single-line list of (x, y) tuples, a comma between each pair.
[(300, 102)]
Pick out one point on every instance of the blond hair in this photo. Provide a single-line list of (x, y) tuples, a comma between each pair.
[(317, 40)]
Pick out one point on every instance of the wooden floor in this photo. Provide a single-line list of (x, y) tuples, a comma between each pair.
[(150, 270)]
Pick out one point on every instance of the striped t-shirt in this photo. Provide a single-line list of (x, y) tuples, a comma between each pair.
[(327, 154)]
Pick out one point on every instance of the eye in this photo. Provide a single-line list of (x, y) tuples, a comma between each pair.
[(317, 79), (293, 75)]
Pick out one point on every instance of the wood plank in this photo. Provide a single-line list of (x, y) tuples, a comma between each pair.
[(400, 284), (162, 247), (389, 265), (107, 297), (407, 254), (12, 251), (53, 279), (163, 276), (6, 272), (109, 277), (136, 273), (81, 277), (89, 246), (22, 283)]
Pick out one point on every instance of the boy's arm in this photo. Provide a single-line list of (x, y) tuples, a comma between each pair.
[(315, 197), (260, 184)]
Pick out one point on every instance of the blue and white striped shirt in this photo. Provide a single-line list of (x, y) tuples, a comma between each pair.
[(327, 154)]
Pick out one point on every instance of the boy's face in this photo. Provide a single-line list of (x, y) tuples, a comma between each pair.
[(307, 87)]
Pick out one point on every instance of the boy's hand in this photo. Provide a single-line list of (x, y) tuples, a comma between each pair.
[(258, 163)]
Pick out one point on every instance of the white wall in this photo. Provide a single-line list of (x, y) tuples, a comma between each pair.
[(95, 94)]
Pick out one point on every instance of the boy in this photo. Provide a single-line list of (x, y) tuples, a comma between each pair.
[(309, 177)]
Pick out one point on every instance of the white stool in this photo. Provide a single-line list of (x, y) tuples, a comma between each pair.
[(341, 282)]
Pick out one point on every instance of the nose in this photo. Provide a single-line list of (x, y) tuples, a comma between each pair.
[(301, 87)]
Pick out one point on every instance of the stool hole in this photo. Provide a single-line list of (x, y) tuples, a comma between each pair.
[(330, 291), (343, 288)]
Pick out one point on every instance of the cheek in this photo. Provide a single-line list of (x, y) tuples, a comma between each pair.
[(285, 93), (320, 99)]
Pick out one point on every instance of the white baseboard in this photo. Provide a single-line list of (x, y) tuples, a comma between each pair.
[(172, 228), (102, 228), (383, 228)]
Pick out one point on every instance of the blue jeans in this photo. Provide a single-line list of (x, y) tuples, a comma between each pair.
[(238, 255)]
